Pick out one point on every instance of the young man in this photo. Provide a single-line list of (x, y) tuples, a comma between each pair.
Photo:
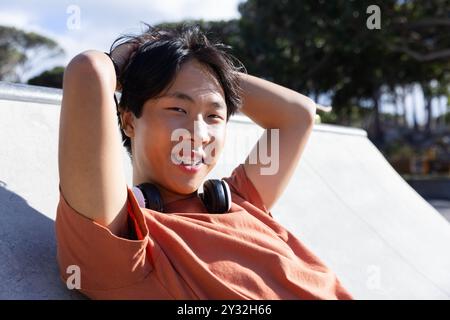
[(177, 80)]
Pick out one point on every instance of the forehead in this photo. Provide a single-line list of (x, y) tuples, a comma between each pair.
[(197, 79)]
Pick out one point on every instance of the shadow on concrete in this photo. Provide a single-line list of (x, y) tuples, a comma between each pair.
[(441, 205), (28, 267)]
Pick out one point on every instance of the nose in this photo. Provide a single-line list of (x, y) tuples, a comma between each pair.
[(200, 134)]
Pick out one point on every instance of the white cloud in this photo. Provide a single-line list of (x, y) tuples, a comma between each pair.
[(18, 19)]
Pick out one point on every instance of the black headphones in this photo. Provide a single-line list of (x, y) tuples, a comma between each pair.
[(216, 196)]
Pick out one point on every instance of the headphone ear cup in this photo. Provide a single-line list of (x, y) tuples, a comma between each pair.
[(139, 196), (216, 196), (227, 192), (152, 196)]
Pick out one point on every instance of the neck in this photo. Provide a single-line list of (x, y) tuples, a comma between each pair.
[(166, 194), (169, 196)]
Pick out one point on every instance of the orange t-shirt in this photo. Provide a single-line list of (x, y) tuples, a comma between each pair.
[(187, 253)]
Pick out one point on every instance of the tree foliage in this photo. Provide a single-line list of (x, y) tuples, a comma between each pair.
[(51, 78), (20, 50)]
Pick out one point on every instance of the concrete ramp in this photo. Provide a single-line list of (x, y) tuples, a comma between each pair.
[(345, 202)]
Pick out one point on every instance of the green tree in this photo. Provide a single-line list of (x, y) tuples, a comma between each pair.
[(324, 47), (51, 78), (20, 51)]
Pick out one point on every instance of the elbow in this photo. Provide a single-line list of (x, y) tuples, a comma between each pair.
[(305, 110), (87, 69), (312, 111), (90, 62), (82, 63)]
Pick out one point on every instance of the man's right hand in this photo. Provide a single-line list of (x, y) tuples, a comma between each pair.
[(121, 55)]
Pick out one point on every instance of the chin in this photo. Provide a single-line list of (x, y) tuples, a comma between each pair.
[(185, 189), (188, 184)]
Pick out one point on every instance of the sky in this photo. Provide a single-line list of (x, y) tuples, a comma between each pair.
[(78, 25)]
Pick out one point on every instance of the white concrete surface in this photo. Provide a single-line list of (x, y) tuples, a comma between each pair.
[(345, 202)]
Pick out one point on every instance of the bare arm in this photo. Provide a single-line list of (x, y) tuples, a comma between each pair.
[(91, 173), (274, 106)]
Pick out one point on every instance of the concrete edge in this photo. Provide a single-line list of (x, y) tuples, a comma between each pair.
[(53, 96)]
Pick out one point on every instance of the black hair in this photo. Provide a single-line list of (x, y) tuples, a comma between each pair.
[(159, 56)]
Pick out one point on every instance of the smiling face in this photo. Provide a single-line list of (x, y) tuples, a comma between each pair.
[(194, 105)]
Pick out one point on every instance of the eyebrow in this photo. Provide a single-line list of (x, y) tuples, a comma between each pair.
[(184, 96)]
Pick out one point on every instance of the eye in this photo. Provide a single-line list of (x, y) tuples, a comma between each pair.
[(177, 109), (215, 115)]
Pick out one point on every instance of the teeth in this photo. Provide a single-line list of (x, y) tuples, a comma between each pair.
[(191, 164), (187, 161)]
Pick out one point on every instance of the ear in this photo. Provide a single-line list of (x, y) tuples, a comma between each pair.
[(127, 119)]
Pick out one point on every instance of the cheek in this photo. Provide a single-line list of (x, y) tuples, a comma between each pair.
[(153, 139), (214, 149), (218, 132), (220, 136)]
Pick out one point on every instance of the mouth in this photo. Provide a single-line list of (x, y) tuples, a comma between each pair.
[(189, 164)]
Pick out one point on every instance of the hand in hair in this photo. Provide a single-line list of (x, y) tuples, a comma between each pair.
[(121, 56)]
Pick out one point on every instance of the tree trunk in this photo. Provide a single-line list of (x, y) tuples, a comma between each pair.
[(379, 137), (414, 112), (429, 115), (426, 90), (404, 94)]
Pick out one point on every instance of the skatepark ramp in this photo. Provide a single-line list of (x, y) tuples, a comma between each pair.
[(345, 202)]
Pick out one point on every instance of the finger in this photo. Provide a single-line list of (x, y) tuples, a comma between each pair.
[(323, 108)]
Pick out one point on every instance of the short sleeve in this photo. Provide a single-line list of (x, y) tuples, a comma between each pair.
[(244, 187), (105, 260)]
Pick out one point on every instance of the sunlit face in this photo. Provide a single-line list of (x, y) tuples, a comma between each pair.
[(195, 102)]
